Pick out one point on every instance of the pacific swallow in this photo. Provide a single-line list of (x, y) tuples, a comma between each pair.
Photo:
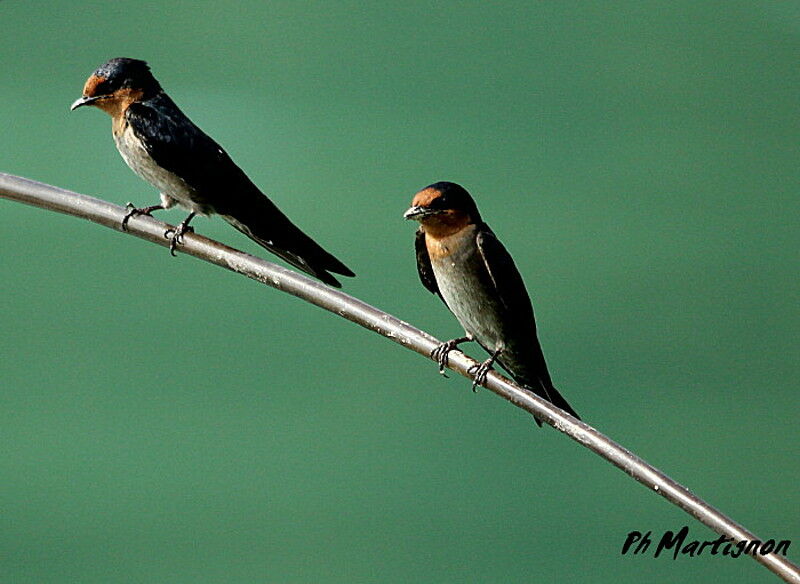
[(461, 260), (162, 145)]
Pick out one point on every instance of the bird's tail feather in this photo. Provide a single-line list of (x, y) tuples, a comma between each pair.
[(558, 400), (551, 394), (281, 237)]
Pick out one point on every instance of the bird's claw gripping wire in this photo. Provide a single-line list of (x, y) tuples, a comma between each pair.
[(135, 211), (480, 371), (441, 354), (177, 233)]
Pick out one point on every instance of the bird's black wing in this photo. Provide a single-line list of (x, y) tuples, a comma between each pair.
[(508, 283), (528, 367), (177, 145), (220, 186), (424, 268)]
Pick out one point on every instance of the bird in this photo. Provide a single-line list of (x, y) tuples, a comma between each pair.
[(165, 148), (461, 260)]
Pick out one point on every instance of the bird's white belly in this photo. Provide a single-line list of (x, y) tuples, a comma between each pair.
[(170, 185), (466, 295)]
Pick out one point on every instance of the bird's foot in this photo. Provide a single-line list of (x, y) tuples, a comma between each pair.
[(134, 211), (480, 372), (177, 234), (441, 354)]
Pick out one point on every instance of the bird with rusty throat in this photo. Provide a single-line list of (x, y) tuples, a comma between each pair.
[(461, 260), (164, 147)]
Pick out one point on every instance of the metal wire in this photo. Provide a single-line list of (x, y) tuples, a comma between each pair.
[(110, 215)]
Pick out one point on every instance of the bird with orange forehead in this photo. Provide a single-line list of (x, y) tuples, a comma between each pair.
[(461, 260), (164, 147)]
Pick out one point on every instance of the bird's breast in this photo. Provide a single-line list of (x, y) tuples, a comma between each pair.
[(466, 286)]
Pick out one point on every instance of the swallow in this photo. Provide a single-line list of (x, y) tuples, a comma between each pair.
[(461, 260), (189, 169)]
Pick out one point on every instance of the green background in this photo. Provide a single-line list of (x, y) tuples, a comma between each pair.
[(162, 420)]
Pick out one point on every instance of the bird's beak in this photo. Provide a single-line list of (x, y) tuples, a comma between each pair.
[(84, 101), (416, 213)]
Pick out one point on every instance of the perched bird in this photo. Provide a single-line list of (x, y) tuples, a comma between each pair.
[(164, 147), (461, 260)]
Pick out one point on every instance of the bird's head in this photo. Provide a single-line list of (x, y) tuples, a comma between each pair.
[(443, 208), (116, 84)]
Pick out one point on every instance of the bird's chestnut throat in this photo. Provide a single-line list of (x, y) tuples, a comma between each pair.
[(446, 223), (116, 103)]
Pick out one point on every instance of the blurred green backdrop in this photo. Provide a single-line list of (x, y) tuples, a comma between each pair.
[(165, 421)]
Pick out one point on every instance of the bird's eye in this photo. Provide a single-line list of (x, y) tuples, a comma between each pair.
[(101, 88)]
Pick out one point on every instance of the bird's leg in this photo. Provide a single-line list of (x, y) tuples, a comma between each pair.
[(442, 352), (481, 371), (133, 211), (177, 233)]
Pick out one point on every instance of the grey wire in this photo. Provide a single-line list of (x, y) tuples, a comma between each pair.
[(110, 215)]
